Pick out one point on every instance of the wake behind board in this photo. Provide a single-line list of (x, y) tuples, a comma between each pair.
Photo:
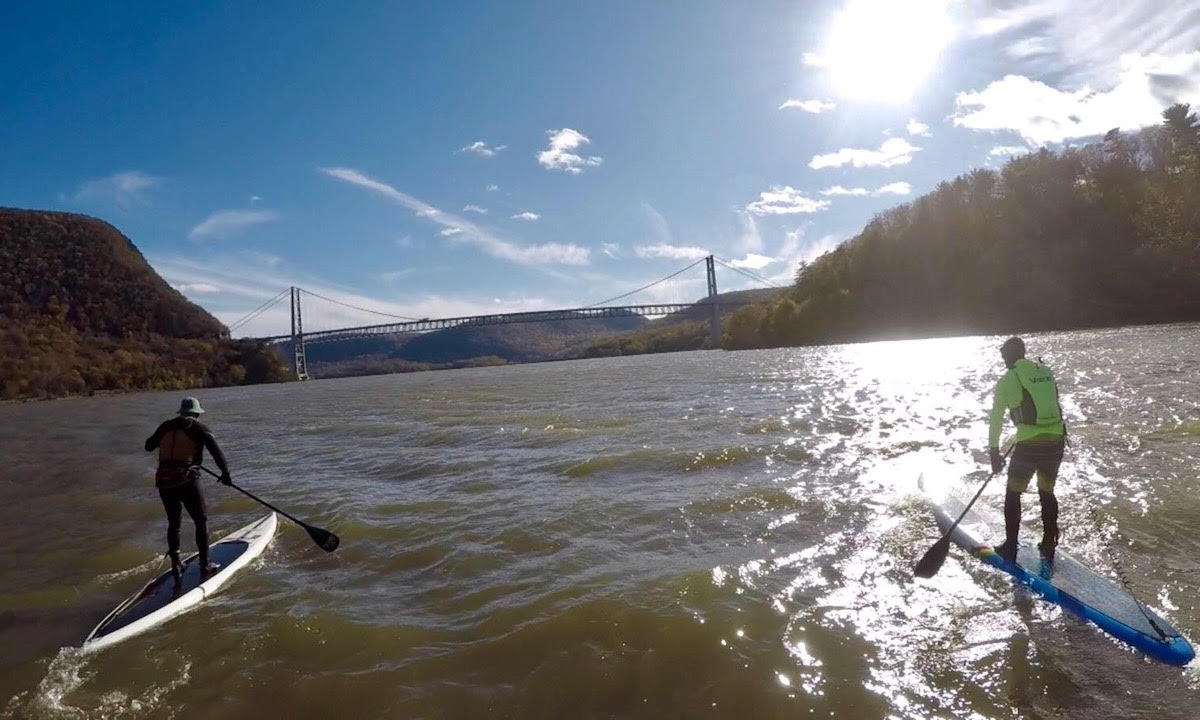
[(1083, 592), (160, 600)]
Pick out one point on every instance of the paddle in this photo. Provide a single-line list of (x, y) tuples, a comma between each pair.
[(933, 558), (324, 539)]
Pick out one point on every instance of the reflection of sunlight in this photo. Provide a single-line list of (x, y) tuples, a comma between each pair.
[(882, 49)]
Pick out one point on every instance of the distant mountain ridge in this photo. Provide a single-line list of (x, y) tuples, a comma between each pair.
[(82, 311)]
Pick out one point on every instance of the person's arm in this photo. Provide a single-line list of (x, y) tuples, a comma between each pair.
[(205, 437), (999, 407), (153, 441)]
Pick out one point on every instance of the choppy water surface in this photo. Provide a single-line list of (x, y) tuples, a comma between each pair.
[(691, 535)]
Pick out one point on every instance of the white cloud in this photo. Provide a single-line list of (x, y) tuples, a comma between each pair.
[(673, 252), (254, 199), (1042, 114), (492, 188), (893, 151), (809, 106), (528, 216), (1002, 150), (124, 189), (785, 200), (753, 261), (475, 209), (896, 188), (659, 227), (482, 149), (450, 232), (839, 190), (612, 250), (224, 222), (559, 155), (916, 127), (533, 255)]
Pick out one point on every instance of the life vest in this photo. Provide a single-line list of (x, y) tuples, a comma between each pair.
[(1039, 395), (177, 447)]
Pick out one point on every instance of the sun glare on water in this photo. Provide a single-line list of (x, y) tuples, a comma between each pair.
[(881, 50)]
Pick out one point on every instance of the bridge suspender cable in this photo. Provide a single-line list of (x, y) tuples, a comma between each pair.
[(645, 287)]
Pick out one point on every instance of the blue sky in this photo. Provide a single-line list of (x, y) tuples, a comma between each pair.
[(438, 159)]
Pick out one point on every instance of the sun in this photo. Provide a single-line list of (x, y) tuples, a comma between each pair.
[(881, 50)]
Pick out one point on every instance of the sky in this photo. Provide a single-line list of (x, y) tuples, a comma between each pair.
[(453, 158)]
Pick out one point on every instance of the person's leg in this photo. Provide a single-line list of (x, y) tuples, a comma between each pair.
[(174, 508), (1047, 473), (193, 500), (1020, 472)]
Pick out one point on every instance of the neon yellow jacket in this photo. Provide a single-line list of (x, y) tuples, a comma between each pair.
[(1029, 393)]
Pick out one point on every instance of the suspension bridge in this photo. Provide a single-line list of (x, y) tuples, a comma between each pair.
[(298, 339)]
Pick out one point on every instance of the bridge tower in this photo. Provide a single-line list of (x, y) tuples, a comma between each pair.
[(301, 365), (715, 320)]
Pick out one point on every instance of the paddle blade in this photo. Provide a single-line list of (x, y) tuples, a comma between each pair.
[(932, 561), (324, 539)]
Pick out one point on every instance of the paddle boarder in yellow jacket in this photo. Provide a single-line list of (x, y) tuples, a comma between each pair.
[(180, 442), (1028, 394)]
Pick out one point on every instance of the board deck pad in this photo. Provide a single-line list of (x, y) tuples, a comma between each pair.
[(163, 591), (1075, 587)]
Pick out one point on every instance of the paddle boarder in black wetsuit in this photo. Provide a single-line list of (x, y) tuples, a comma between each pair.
[(180, 442)]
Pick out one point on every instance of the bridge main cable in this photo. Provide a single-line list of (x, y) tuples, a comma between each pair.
[(645, 287), (355, 307), (257, 311), (747, 273)]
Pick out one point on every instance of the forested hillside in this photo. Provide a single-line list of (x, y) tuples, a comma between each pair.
[(1107, 234), (81, 311)]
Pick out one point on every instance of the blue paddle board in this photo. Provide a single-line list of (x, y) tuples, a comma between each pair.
[(1079, 590)]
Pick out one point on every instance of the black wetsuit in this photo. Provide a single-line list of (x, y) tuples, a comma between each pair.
[(181, 442)]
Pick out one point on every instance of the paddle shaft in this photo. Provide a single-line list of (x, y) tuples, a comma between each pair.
[(257, 499), (967, 509)]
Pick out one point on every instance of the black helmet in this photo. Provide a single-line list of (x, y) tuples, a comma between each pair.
[(1012, 350)]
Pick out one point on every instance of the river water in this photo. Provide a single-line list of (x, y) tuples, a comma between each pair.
[(707, 534)]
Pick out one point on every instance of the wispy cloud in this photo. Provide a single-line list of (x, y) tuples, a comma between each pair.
[(785, 200), (612, 250), (893, 151), (224, 222), (896, 188), (197, 288), (527, 216), (450, 232), (560, 156), (915, 127), (1042, 114), (809, 106), (472, 234), (482, 149), (1048, 35), (475, 209), (672, 252), (839, 190), (242, 286), (123, 189), (492, 188)]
